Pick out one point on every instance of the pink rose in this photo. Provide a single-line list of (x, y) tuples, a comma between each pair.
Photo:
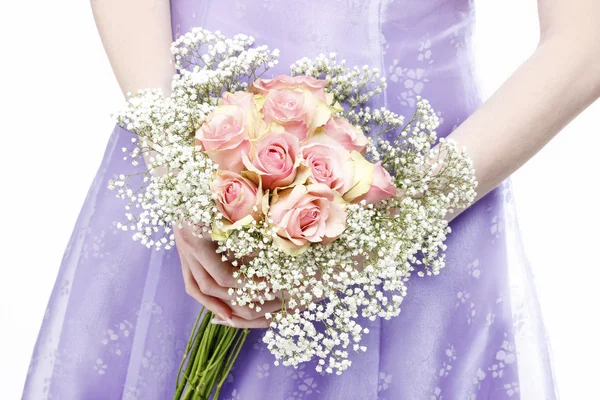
[(226, 135), (236, 196), (296, 109), (346, 134), (329, 162), (381, 186), (305, 215), (244, 100), (313, 85), (347, 172), (275, 159)]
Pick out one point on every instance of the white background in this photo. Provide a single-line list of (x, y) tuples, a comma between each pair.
[(57, 89)]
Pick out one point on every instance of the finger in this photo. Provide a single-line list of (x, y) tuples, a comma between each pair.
[(209, 287), (222, 272), (238, 322), (247, 313), (188, 279), (191, 287), (206, 283)]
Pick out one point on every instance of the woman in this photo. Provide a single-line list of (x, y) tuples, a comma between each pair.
[(119, 317)]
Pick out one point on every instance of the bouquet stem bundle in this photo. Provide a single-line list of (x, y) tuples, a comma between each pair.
[(209, 355)]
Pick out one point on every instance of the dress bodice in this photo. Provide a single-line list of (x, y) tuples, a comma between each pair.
[(361, 30), (423, 46)]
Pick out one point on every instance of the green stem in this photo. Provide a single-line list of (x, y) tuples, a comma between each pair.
[(187, 349), (217, 360), (208, 358), (241, 338), (195, 338), (210, 354), (193, 343)]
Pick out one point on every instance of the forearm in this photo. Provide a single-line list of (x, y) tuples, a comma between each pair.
[(553, 86), (136, 35)]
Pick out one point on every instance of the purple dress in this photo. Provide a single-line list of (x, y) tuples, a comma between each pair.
[(119, 318)]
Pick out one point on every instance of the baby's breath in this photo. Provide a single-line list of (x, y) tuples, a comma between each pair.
[(328, 287)]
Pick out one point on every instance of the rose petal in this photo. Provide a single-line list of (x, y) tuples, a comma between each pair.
[(336, 223), (381, 188), (232, 159), (290, 248), (363, 176)]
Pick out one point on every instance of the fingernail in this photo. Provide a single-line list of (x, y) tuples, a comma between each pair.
[(222, 321), (223, 318)]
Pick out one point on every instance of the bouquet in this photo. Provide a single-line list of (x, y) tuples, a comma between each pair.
[(295, 180)]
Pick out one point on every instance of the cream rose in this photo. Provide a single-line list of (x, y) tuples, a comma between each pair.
[(236, 196), (381, 187), (346, 134), (295, 109), (244, 100), (329, 162), (307, 214), (226, 135), (314, 86), (275, 159)]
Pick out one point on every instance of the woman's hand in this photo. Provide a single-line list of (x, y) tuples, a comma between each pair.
[(207, 279)]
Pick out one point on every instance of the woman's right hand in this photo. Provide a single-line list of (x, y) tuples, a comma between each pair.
[(207, 279)]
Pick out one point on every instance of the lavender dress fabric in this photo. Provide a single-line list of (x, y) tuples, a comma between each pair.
[(119, 318)]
